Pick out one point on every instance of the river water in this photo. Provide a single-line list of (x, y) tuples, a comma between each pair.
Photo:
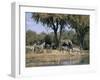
[(77, 61)]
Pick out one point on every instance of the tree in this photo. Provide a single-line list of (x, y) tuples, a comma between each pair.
[(81, 25), (47, 39), (59, 21), (30, 37), (54, 21), (86, 42)]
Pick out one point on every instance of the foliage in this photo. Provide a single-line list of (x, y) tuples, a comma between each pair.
[(54, 21), (81, 25), (30, 37), (86, 42), (58, 23), (47, 39)]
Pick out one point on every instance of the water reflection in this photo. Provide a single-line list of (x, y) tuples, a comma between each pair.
[(71, 61)]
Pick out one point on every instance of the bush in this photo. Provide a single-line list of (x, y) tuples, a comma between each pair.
[(28, 50)]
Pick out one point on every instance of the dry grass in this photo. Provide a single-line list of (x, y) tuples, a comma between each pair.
[(54, 56)]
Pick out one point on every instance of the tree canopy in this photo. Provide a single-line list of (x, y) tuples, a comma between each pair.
[(58, 23), (54, 21), (81, 25)]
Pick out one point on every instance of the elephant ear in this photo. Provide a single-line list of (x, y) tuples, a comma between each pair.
[(70, 41), (66, 41)]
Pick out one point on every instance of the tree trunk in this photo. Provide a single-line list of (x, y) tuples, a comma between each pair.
[(81, 44), (60, 36), (55, 29), (80, 38), (56, 38), (81, 41)]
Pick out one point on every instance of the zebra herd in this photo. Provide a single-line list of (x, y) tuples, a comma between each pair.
[(39, 47)]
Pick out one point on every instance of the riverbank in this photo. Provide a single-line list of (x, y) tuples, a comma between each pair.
[(56, 58)]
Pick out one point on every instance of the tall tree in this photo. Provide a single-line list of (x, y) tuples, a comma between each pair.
[(81, 25), (54, 21)]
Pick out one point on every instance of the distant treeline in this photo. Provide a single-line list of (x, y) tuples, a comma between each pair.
[(32, 37)]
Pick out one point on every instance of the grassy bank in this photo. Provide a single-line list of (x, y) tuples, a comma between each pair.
[(55, 58)]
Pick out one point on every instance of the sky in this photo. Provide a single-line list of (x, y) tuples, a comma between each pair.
[(32, 25)]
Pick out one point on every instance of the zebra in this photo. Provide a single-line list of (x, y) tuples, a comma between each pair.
[(39, 48)]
